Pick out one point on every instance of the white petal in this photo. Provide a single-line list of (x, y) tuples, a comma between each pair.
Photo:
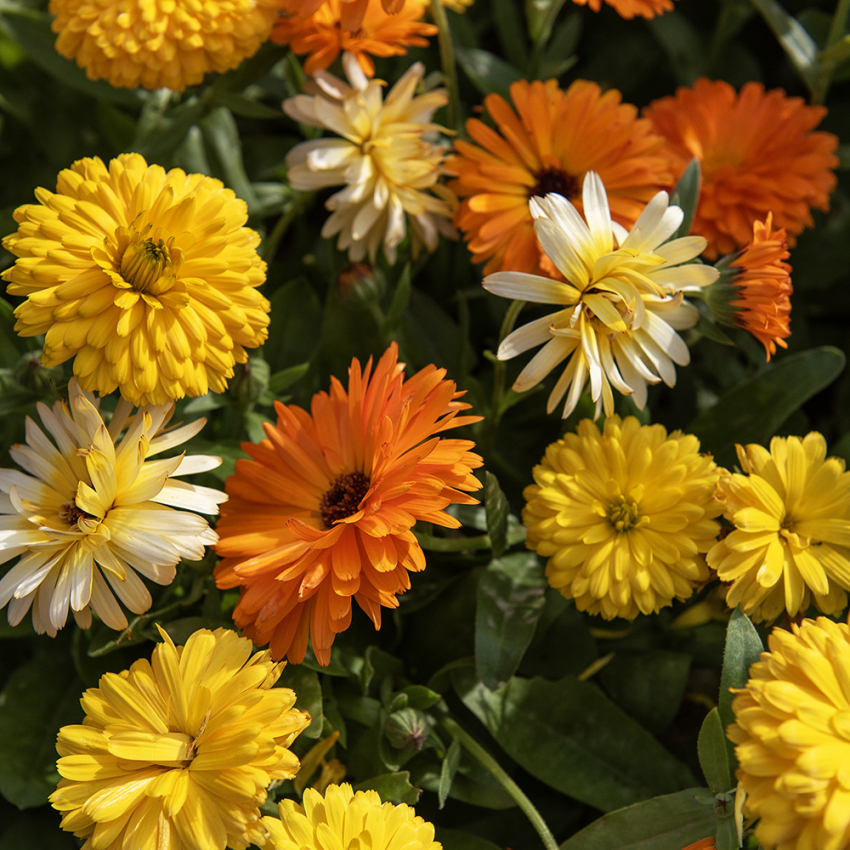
[(528, 336), (681, 250), (646, 224), (597, 213), (544, 362), (530, 287), (192, 464)]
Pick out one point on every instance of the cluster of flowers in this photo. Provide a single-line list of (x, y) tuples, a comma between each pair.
[(149, 280)]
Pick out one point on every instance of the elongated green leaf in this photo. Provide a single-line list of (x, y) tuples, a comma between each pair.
[(754, 410), (572, 737), (686, 196), (727, 832), (796, 42), (393, 787), (665, 823), (487, 72), (287, 377), (40, 697), (713, 753), (511, 596), (222, 135), (448, 771), (497, 508)]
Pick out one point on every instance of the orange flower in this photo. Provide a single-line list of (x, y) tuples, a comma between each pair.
[(353, 11), (758, 153), (324, 37), (324, 511), (548, 145), (760, 293), (629, 8)]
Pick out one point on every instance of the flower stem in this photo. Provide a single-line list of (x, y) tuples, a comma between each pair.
[(487, 761), (839, 22), (282, 224), (447, 57)]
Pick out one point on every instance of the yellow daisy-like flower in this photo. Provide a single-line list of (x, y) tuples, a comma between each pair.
[(793, 738), (153, 44), (791, 543), (95, 510), (620, 307), (178, 754), (623, 516), (147, 278), (390, 172), (344, 819)]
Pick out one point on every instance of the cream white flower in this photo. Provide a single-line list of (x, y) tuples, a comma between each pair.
[(94, 511), (621, 306), (389, 170)]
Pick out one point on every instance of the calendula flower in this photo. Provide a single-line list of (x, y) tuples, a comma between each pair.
[(324, 510), (389, 171), (791, 510), (754, 290), (342, 818), (179, 753), (323, 36), (620, 307), (791, 736), (623, 516), (548, 145), (353, 11), (631, 8), (93, 511), (147, 278), (132, 43), (758, 152)]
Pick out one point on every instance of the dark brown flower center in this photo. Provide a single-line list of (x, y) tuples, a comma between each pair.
[(553, 180), (344, 497), (71, 514)]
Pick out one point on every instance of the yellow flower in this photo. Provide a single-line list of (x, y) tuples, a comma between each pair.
[(147, 278), (389, 171), (134, 43), (793, 741), (178, 754), (459, 6), (623, 516), (791, 512), (94, 512), (620, 307), (343, 819)]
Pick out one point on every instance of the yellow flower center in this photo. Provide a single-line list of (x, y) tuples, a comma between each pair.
[(344, 497), (146, 265), (795, 540), (625, 515), (74, 516)]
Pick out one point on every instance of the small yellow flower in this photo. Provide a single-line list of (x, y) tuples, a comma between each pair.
[(343, 819), (178, 754), (792, 733), (390, 172), (791, 512), (96, 510), (623, 516), (153, 44), (147, 278)]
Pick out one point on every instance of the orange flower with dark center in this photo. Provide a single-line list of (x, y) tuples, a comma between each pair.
[(324, 34), (353, 11), (631, 8), (758, 152), (547, 143), (324, 510)]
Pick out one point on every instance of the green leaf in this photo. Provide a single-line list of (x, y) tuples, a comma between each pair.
[(455, 839), (712, 331), (570, 736), (796, 42), (511, 596), (222, 135), (726, 837), (754, 410), (743, 649), (287, 377), (509, 22), (487, 72), (392, 787), (401, 298), (238, 104), (713, 753), (541, 15), (497, 508), (665, 823), (307, 688), (448, 771), (686, 196), (296, 313), (683, 45), (40, 697)]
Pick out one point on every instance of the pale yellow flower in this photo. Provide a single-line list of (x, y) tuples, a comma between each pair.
[(389, 170), (620, 307), (94, 509), (791, 545), (623, 516), (343, 819), (178, 754), (793, 738), (147, 278)]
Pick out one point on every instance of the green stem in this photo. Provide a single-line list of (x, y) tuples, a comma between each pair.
[(839, 23), (447, 57), (282, 224), (487, 761)]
